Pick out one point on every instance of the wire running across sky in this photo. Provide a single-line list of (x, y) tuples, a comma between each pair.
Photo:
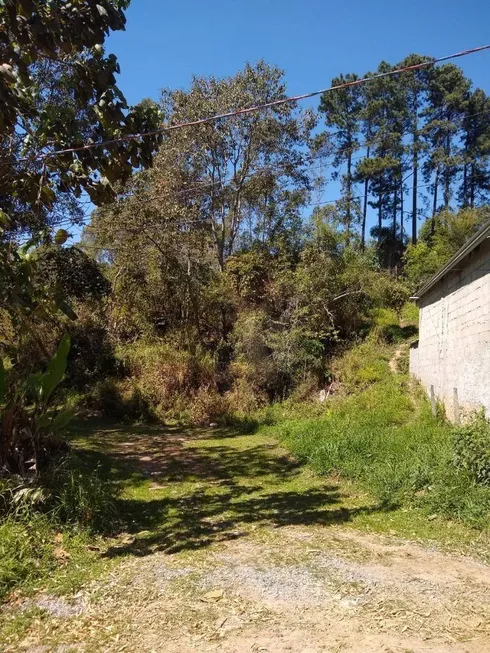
[(258, 107)]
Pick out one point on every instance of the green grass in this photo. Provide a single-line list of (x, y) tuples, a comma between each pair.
[(382, 435), (213, 486), (49, 524)]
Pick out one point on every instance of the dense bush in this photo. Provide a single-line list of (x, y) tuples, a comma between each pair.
[(119, 399)]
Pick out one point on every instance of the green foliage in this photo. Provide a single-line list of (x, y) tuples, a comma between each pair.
[(92, 357), (25, 551), (29, 419), (57, 90), (116, 399), (358, 368), (384, 437), (80, 496), (438, 244), (44, 384), (71, 499), (73, 272), (472, 449), (410, 314)]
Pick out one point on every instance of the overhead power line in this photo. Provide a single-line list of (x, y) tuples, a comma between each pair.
[(329, 163), (259, 107)]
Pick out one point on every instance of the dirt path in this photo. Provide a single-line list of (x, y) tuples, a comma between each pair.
[(237, 549), (394, 360)]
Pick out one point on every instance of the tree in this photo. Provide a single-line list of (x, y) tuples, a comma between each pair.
[(58, 91), (476, 153), (382, 168), (159, 258), (435, 249), (251, 168), (415, 86), (343, 110), (448, 97)]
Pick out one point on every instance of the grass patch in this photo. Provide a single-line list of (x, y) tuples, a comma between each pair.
[(48, 524), (381, 434), (182, 495)]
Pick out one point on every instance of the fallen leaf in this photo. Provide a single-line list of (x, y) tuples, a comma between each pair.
[(61, 555), (214, 595)]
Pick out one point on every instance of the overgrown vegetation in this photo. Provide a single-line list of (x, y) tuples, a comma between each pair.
[(207, 286), (380, 432), (42, 520)]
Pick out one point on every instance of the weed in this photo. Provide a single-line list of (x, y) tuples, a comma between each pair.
[(25, 551), (384, 436), (69, 502), (472, 449), (81, 496)]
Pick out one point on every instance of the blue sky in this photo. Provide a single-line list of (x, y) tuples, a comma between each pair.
[(165, 43)]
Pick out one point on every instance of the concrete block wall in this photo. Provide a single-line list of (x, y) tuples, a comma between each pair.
[(453, 351)]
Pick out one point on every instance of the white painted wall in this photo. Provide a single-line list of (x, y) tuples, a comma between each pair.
[(454, 336)]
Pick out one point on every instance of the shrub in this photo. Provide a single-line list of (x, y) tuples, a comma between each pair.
[(208, 406), (361, 366), (455, 495), (400, 455), (71, 498), (244, 399), (119, 399), (91, 356), (70, 492), (472, 449), (168, 378)]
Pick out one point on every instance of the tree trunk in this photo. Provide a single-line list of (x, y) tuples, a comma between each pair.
[(415, 168), (472, 186), (395, 214), (349, 195), (402, 207), (436, 187), (380, 218), (364, 208), (434, 206), (465, 185), (447, 173)]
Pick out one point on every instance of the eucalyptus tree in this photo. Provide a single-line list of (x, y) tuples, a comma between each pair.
[(251, 168)]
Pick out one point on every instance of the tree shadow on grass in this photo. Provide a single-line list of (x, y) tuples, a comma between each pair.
[(242, 488), (201, 520)]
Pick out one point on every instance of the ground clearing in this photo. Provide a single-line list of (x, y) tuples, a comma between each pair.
[(234, 547)]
